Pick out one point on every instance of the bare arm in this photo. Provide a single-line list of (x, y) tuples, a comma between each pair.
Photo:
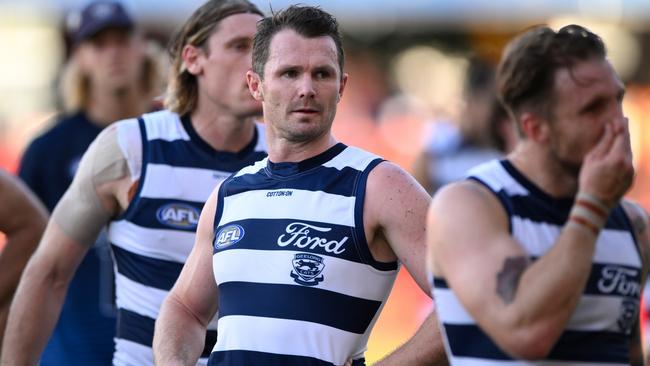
[(77, 219), (399, 233), (22, 220), (180, 328), (525, 321)]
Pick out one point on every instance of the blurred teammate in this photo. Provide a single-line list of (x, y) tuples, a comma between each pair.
[(484, 132), (22, 221), (148, 179), (108, 77), (305, 251), (538, 257)]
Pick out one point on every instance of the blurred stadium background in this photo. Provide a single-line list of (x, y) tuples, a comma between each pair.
[(406, 61)]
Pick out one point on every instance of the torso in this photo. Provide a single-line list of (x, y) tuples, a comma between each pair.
[(297, 282), (152, 239), (599, 331)]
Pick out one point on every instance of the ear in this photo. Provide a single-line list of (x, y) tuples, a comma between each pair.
[(192, 59), (80, 56), (255, 85), (344, 82), (535, 127)]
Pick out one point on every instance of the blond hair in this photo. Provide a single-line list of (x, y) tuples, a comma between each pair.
[(182, 87), (74, 86)]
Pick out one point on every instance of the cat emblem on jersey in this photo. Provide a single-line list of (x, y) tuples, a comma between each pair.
[(307, 269)]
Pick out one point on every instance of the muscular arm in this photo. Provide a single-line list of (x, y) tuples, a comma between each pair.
[(395, 216), (77, 219), (22, 220), (180, 328), (484, 265)]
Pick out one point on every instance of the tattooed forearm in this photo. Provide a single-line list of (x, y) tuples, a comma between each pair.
[(508, 278)]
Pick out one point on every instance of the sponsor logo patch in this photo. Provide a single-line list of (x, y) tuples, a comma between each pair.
[(307, 269), (178, 215), (228, 236)]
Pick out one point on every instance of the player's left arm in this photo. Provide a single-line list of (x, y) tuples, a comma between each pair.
[(395, 211), (640, 223)]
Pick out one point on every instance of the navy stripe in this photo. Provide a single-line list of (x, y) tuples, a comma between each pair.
[(359, 231), (157, 273), (310, 304), (440, 283), (183, 153), (155, 213), (614, 279), (264, 234), (326, 179), (139, 329), (238, 358), (597, 347)]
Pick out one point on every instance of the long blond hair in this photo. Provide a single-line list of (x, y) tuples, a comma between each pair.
[(182, 87), (74, 85)]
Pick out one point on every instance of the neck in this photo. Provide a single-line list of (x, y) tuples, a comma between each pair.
[(283, 150), (221, 130), (534, 162), (106, 107)]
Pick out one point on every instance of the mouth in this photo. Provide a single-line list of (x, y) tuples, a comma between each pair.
[(310, 111)]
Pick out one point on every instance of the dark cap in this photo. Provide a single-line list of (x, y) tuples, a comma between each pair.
[(96, 17)]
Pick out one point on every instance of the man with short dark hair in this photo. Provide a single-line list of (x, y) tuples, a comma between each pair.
[(298, 252), (538, 257)]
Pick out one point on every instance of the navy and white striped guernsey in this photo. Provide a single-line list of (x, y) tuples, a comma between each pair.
[(599, 330), (153, 238), (297, 282)]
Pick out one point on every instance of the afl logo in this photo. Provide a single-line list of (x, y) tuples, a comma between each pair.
[(178, 215), (228, 236)]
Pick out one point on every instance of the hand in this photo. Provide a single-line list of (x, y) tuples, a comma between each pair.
[(607, 169)]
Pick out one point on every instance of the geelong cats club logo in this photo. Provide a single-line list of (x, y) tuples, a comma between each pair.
[(307, 269)]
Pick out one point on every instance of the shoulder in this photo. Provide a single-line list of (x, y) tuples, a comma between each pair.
[(640, 222)]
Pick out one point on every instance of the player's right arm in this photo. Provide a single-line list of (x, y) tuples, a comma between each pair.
[(191, 304), (522, 306), (77, 219)]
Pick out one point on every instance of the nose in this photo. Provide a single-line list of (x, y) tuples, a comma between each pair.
[(306, 87)]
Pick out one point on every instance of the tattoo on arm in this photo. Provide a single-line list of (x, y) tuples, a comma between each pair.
[(639, 225), (508, 278)]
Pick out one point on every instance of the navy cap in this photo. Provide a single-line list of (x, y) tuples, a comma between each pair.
[(96, 17)]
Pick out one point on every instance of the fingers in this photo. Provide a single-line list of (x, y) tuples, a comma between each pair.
[(605, 143)]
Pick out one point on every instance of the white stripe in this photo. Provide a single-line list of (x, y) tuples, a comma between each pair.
[(593, 313), (138, 298), (274, 267), (470, 361), (252, 169), (312, 206), (130, 142), (170, 245), (164, 125), (351, 157), (612, 246), (288, 337), (129, 353), (497, 177), (192, 184)]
